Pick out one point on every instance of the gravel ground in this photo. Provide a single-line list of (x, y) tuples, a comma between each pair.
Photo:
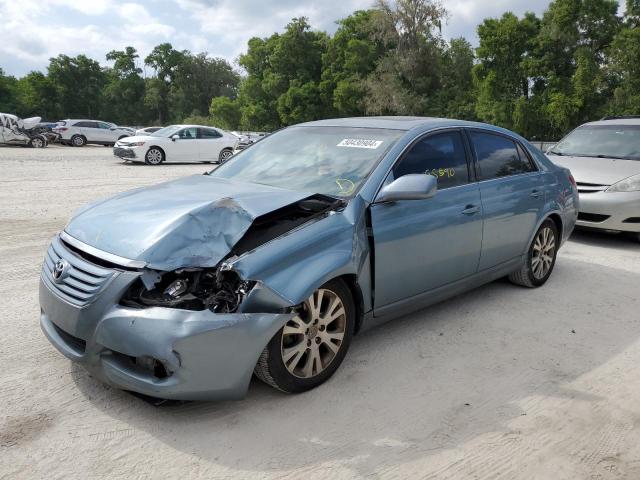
[(502, 382)]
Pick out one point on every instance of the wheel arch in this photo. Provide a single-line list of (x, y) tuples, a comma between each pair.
[(351, 280), (557, 219), (159, 148)]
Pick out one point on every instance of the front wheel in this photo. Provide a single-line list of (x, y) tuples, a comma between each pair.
[(541, 257), (154, 156), (311, 346)]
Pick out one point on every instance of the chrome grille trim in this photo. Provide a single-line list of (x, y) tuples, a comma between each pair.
[(591, 187), (84, 280), (109, 257)]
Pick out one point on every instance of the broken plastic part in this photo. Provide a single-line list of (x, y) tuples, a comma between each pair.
[(220, 291)]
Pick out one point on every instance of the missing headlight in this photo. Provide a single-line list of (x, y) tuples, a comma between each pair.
[(220, 291)]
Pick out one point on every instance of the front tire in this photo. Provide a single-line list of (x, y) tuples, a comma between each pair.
[(541, 257), (308, 350), (154, 156)]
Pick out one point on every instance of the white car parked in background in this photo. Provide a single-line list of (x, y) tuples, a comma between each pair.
[(147, 131), (80, 132), (178, 143)]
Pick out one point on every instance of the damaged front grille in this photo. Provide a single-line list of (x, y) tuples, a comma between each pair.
[(77, 281)]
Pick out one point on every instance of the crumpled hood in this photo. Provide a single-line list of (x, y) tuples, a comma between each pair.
[(190, 222), (599, 171)]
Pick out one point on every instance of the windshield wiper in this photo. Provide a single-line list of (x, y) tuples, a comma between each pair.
[(557, 153)]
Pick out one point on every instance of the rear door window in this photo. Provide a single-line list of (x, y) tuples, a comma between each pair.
[(498, 156), (209, 133)]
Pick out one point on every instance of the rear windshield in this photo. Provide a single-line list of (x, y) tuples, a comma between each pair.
[(606, 141)]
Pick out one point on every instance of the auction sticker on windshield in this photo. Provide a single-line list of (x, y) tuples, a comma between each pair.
[(360, 143)]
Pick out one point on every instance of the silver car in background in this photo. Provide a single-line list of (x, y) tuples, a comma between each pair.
[(604, 158)]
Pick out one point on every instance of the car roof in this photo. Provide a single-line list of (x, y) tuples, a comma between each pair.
[(400, 123), (616, 121)]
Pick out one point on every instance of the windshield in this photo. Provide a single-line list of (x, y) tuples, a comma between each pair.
[(329, 160), (611, 141), (166, 131)]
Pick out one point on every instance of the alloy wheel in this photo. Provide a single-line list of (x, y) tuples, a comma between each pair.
[(37, 143), (312, 339), (543, 252), (225, 155), (154, 156)]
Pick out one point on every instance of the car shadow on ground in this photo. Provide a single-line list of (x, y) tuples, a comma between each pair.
[(411, 388), (611, 240)]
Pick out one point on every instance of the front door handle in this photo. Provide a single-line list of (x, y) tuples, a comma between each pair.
[(536, 194), (471, 210)]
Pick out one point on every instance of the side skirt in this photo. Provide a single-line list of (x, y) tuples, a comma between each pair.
[(422, 300)]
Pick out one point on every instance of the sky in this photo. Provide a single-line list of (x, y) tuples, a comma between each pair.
[(32, 31)]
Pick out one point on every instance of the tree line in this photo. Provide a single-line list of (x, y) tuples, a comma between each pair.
[(540, 76)]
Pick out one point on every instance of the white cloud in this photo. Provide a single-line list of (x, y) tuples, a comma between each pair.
[(35, 30)]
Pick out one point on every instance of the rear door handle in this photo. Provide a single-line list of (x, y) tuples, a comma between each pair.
[(471, 210), (536, 194)]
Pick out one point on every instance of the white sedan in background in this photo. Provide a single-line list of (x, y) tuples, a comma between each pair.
[(178, 143)]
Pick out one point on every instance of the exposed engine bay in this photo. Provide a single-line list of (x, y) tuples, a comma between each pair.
[(221, 289)]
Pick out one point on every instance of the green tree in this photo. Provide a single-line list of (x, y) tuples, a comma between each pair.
[(165, 60), (124, 93), (8, 93), (79, 82), (407, 80), (352, 54), (38, 96), (625, 64), (198, 79), (225, 113)]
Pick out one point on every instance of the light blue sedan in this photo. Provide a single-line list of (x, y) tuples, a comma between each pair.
[(270, 264)]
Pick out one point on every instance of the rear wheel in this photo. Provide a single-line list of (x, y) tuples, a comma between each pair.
[(154, 156), (78, 141), (311, 346), (541, 257), (37, 142), (225, 155)]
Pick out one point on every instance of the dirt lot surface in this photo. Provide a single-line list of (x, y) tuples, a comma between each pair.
[(501, 383)]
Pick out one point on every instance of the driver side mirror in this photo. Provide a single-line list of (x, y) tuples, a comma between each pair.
[(409, 187), (175, 137)]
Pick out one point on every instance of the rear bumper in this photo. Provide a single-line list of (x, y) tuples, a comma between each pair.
[(617, 211)]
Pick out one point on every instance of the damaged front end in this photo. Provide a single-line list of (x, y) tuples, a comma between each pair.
[(218, 290)]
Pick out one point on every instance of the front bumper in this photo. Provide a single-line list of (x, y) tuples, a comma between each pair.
[(617, 211), (124, 152), (207, 356)]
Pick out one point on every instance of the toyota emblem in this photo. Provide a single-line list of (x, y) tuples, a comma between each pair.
[(60, 270)]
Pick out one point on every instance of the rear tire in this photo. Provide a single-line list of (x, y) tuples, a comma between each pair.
[(78, 141), (541, 257), (154, 156), (225, 155), (37, 142), (308, 350)]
